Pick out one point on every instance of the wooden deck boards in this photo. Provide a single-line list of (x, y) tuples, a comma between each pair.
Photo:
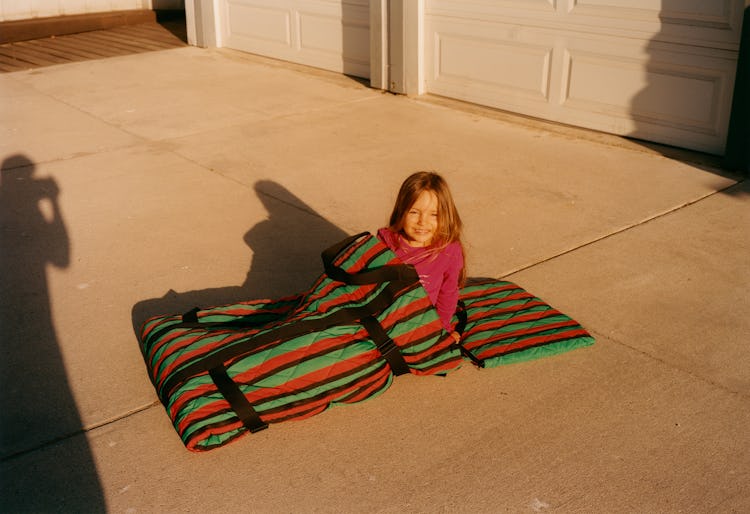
[(98, 44)]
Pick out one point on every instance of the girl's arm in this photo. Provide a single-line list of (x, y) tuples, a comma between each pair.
[(447, 299)]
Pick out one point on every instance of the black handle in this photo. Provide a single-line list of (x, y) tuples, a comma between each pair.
[(398, 272)]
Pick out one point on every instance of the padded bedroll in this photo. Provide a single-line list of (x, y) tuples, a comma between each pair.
[(225, 371), (505, 324)]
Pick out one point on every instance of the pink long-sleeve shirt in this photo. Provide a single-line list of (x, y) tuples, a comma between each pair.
[(438, 272)]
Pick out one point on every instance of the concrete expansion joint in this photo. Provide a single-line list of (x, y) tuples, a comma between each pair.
[(81, 431), (290, 204), (115, 419), (69, 157), (87, 113), (624, 229), (600, 336)]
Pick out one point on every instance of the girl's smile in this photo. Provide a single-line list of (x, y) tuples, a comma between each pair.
[(421, 222)]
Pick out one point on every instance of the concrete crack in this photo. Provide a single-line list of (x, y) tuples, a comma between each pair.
[(81, 431), (621, 230)]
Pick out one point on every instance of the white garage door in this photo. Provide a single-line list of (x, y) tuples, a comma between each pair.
[(328, 34), (660, 70)]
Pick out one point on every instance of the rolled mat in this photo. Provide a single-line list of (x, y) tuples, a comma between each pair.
[(222, 372)]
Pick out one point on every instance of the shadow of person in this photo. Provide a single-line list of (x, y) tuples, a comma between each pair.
[(285, 260), (36, 404)]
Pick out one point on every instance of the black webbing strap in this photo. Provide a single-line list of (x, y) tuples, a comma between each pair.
[(339, 247), (393, 273), (463, 319), (237, 400), (388, 349), (191, 316), (467, 354), (190, 320), (462, 316)]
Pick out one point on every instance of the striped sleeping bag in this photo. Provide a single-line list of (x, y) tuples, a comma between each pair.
[(225, 371)]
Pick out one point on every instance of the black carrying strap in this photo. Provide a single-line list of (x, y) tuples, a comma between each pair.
[(237, 399), (463, 319), (191, 316), (393, 273), (388, 349), (467, 354), (462, 316), (190, 320)]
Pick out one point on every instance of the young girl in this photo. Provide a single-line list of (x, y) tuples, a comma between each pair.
[(425, 231)]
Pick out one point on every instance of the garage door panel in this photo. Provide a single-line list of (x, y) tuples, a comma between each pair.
[(503, 65), (493, 65), (346, 42), (525, 68), (624, 89), (472, 8), (356, 49), (693, 109), (328, 34), (320, 32), (714, 23), (717, 10), (259, 22), (721, 15)]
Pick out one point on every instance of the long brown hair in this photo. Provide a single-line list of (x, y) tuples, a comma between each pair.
[(449, 226)]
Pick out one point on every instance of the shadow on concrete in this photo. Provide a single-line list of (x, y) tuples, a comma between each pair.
[(37, 407), (285, 249), (738, 145), (174, 21)]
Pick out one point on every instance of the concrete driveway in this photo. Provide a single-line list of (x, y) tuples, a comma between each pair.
[(152, 183)]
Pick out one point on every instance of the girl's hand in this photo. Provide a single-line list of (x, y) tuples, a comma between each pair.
[(456, 336)]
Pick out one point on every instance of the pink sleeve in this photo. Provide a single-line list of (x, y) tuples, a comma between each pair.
[(448, 295), (387, 237)]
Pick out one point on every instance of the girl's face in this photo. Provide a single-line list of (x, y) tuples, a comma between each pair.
[(421, 220)]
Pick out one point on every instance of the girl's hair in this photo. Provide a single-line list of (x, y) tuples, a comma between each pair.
[(449, 224)]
